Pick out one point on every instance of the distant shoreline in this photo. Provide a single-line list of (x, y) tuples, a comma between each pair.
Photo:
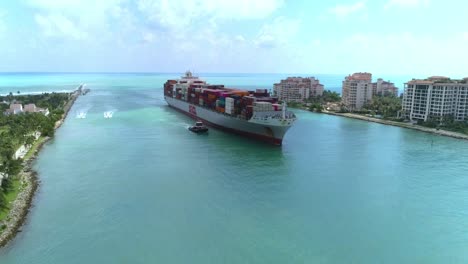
[(29, 178), (38, 93)]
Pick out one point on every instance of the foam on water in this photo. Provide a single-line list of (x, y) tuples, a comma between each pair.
[(108, 114)]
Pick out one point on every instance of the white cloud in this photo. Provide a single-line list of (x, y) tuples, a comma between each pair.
[(342, 10), (74, 5), (239, 38), (2, 23), (149, 37), (179, 14), (76, 19), (57, 26), (278, 33), (266, 41), (194, 27), (241, 9), (402, 53), (173, 21), (406, 3)]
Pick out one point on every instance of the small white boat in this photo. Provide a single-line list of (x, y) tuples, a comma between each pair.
[(108, 114), (81, 115)]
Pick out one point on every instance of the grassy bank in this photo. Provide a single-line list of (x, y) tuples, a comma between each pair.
[(10, 196), (16, 186), (34, 148)]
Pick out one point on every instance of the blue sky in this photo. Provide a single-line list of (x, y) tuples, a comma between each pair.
[(420, 37)]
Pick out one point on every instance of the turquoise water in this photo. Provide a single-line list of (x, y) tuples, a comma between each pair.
[(139, 188)]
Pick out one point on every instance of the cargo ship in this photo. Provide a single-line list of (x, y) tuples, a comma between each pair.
[(254, 114)]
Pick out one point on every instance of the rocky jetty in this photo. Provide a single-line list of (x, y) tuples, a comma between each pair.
[(20, 207)]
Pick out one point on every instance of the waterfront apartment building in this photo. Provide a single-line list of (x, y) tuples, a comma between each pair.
[(357, 90), (435, 97), (298, 89), (383, 88)]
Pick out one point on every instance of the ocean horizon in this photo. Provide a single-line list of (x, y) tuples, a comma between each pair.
[(38, 82)]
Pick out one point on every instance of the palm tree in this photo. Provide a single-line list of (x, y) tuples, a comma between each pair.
[(30, 140), (3, 201)]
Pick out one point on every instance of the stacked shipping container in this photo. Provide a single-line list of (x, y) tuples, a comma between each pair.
[(238, 103)]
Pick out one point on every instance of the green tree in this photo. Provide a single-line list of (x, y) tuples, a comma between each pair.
[(7, 184), (30, 140), (16, 130), (387, 106), (10, 97), (332, 97), (316, 107), (3, 201)]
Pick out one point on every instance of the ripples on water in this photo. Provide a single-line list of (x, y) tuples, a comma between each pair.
[(139, 188)]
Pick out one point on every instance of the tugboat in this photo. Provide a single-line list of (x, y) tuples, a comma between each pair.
[(198, 128)]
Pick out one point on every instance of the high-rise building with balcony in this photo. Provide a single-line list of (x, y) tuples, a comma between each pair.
[(383, 88), (436, 97), (298, 89), (357, 90)]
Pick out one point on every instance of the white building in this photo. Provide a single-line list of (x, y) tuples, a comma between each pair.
[(32, 108), (21, 152), (298, 89), (2, 176), (14, 109), (357, 90), (29, 108), (435, 97)]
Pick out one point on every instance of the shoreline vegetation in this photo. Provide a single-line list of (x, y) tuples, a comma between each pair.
[(25, 183)]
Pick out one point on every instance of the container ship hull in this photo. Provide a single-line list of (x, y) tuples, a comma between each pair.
[(271, 133)]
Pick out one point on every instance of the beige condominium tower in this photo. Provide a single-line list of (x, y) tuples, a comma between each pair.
[(357, 90), (436, 97)]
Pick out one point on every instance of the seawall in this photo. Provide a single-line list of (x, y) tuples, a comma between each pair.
[(400, 124)]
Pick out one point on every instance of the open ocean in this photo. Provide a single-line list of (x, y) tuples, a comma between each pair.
[(139, 188)]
